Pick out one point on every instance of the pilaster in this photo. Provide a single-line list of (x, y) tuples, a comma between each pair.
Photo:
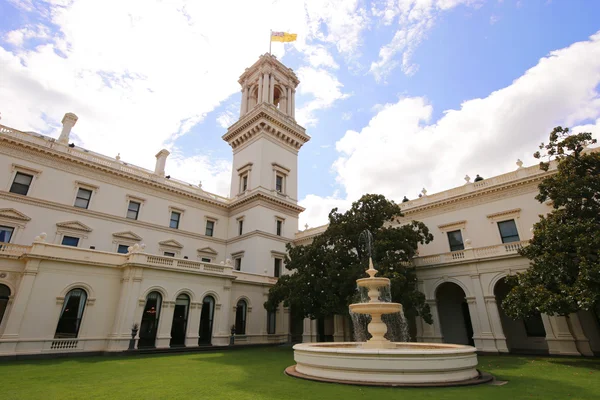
[(559, 339), (432, 333), (193, 324), (163, 336), (486, 335), (496, 323)]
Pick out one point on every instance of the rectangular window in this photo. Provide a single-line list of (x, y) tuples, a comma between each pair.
[(279, 183), (244, 183), (508, 231), (278, 227), (122, 249), (240, 226), (271, 320), (174, 223), (83, 198), (21, 183), (210, 228), (70, 241), (6, 233), (205, 259), (238, 264), (456, 241), (169, 254), (277, 268), (133, 210)]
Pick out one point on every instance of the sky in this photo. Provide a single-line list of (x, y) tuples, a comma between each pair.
[(397, 95)]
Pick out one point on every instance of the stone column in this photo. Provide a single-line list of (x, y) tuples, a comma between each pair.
[(338, 328), (265, 95), (293, 110), (283, 327), (223, 318), (271, 89), (496, 323), (582, 342), (558, 337), (475, 323), (486, 336), (125, 312), (19, 306), (260, 89), (163, 336), (193, 324), (288, 101), (432, 333), (244, 106), (310, 331)]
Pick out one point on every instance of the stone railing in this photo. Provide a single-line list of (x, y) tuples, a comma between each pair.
[(178, 263), (471, 254), (10, 249), (109, 162)]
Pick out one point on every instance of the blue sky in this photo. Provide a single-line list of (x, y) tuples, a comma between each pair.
[(377, 81)]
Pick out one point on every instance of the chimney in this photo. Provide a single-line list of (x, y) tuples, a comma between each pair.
[(68, 122), (161, 159)]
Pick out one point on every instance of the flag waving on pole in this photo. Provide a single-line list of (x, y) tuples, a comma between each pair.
[(283, 37)]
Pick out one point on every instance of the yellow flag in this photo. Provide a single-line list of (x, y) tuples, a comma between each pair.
[(283, 37)]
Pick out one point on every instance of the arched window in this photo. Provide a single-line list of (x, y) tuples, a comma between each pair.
[(4, 295), (71, 314), (180, 316), (206, 320), (150, 319), (240, 317)]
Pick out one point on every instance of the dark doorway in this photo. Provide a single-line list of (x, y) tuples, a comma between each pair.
[(180, 316), (325, 329), (296, 327), (150, 319), (453, 310), (240, 317), (206, 321)]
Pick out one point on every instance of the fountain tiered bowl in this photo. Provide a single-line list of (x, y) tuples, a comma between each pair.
[(380, 362)]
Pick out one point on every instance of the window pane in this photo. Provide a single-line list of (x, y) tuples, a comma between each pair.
[(279, 223), (71, 314), (21, 183), (174, 220), (279, 183), (271, 319), (4, 294), (204, 259), (240, 227), (70, 241), (455, 240), (133, 210), (123, 249), (238, 264), (6, 233), (84, 194), (277, 269), (508, 231), (169, 254), (209, 228)]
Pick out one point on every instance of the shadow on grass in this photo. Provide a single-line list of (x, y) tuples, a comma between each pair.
[(585, 363)]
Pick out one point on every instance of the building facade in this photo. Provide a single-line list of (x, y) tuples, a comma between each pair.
[(93, 249)]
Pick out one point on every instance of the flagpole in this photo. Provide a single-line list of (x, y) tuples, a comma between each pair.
[(270, 39)]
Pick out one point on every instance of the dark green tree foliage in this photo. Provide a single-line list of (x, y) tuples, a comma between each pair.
[(564, 275), (325, 271)]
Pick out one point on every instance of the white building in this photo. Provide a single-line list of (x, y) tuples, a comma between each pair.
[(92, 245)]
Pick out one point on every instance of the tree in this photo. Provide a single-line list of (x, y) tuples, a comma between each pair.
[(564, 276), (323, 282)]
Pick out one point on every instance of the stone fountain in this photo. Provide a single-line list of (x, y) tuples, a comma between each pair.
[(380, 362)]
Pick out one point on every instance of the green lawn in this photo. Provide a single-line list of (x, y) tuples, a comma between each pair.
[(258, 374)]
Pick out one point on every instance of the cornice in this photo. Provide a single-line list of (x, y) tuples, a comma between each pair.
[(262, 196), (257, 233)]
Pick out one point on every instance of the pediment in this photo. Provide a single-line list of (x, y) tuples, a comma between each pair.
[(127, 235), (207, 250), (171, 243), (11, 213), (74, 226)]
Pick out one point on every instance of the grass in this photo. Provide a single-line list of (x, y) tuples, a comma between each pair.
[(258, 374)]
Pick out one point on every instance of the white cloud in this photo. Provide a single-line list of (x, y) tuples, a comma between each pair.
[(494, 19), (400, 151), (415, 18), (318, 208), (325, 90), (140, 73)]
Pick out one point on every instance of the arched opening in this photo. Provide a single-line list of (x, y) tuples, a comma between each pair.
[(240, 317), (4, 295), (71, 314), (253, 100), (277, 96), (453, 311), (206, 321), (521, 335), (150, 319), (180, 316)]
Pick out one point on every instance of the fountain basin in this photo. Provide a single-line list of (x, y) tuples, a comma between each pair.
[(374, 282), (375, 308), (406, 364)]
